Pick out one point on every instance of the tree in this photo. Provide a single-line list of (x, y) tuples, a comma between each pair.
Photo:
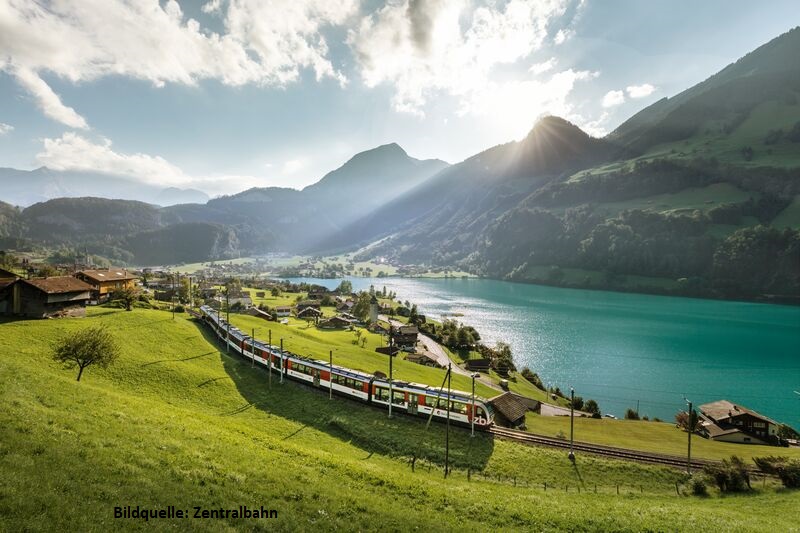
[(682, 420), (361, 306), (590, 406), (85, 347), (577, 403), (345, 287), (275, 291), (126, 295), (631, 414)]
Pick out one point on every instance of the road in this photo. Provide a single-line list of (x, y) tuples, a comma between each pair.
[(435, 350)]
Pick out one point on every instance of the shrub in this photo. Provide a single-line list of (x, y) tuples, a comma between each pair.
[(730, 475), (533, 378), (787, 470), (179, 309), (697, 484), (630, 414)]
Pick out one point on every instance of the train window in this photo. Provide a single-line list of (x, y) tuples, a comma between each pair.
[(398, 397), (382, 394), (480, 413)]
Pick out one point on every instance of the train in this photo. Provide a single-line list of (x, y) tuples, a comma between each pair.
[(414, 399)]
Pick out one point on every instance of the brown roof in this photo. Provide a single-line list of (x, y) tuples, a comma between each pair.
[(722, 410), (111, 274), (6, 274), (6, 282), (509, 406), (58, 284)]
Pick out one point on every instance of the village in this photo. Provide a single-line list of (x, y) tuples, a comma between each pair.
[(396, 328)]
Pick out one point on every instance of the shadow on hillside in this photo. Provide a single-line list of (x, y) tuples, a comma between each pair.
[(362, 425), (178, 360)]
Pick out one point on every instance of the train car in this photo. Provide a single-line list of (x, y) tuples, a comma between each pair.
[(411, 398)]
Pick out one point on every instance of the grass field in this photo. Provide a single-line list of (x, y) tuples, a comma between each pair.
[(176, 422), (661, 437)]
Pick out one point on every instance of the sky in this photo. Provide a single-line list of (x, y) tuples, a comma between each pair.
[(224, 95)]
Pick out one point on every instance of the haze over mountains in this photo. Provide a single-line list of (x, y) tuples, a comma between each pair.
[(675, 193)]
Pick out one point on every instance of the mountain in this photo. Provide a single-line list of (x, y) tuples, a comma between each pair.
[(698, 194), (300, 218), (27, 187), (756, 88), (443, 216)]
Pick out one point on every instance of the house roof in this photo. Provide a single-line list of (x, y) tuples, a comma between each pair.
[(509, 406), (111, 274), (309, 310), (283, 308), (722, 410), (58, 284), (7, 274), (408, 330)]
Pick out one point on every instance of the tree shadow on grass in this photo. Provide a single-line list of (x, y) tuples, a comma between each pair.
[(365, 426)]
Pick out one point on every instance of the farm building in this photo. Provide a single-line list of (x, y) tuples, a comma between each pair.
[(725, 421), (105, 281), (45, 297)]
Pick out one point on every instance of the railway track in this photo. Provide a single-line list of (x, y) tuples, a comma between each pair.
[(597, 449)]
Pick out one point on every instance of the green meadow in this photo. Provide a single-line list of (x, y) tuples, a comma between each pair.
[(178, 422)]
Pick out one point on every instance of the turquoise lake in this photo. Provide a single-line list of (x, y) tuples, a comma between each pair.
[(619, 348)]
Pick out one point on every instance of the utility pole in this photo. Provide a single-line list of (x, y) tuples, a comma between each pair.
[(474, 375), (447, 431), (571, 424), (391, 394), (269, 360), (228, 319), (637, 408), (281, 381), (253, 348), (173, 296), (690, 430), (330, 376)]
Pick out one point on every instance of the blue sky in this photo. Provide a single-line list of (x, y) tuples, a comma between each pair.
[(223, 95)]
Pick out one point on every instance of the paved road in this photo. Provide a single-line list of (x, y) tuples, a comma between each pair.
[(434, 349)]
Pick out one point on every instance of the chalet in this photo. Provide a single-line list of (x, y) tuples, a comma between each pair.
[(509, 410), (6, 286), (106, 281), (255, 311), (335, 322), (309, 312), (7, 274), (45, 297), (243, 300), (307, 303), (725, 421), (283, 310), (479, 365), (350, 318), (346, 306), (404, 336), (422, 359)]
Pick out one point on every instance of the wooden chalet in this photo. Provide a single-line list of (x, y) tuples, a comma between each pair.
[(105, 281), (728, 422), (44, 297), (404, 336), (335, 322), (282, 311), (509, 410)]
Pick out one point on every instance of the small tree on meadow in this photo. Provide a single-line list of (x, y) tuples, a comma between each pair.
[(85, 347)]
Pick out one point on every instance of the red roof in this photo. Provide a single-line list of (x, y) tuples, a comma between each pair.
[(111, 274)]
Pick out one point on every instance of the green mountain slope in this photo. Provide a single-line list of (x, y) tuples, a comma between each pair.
[(176, 422)]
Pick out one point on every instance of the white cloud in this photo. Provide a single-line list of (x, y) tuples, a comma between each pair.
[(47, 100), (72, 151), (545, 66), (562, 35), (640, 91), (293, 166), (82, 40), (5, 128), (613, 98), (446, 46)]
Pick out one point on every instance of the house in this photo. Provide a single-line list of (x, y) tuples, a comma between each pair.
[(728, 422), (422, 359), (335, 322), (347, 316), (307, 303), (509, 410), (45, 297), (404, 336), (243, 300), (255, 311), (7, 274), (6, 285), (479, 365), (106, 281), (346, 306), (282, 311), (309, 312)]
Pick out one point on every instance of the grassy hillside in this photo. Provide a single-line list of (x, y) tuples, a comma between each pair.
[(660, 437), (176, 422)]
